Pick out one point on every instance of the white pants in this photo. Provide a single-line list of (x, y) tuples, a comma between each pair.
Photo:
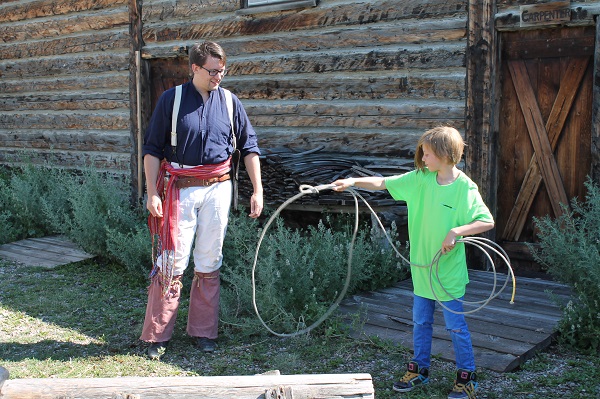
[(203, 213)]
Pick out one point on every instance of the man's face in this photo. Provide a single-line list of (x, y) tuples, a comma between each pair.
[(202, 78)]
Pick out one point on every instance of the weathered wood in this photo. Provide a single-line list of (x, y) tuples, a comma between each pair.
[(395, 141), (66, 65), (47, 8), (595, 141), (383, 114), (504, 336), (539, 137), (410, 31), (481, 123), (508, 17), (554, 126), (46, 252), (104, 81), (103, 41), (109, 162), (416, 84), (65, 25), (72, 100), (80, 119), (66, 140), (240, 387), (327, 14)]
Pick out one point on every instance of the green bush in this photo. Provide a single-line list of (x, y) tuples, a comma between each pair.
[(570, 249), (300, 272)]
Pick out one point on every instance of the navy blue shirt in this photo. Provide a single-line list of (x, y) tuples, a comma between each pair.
[(203, 129)]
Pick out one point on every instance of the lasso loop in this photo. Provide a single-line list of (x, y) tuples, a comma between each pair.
[(479, 242)]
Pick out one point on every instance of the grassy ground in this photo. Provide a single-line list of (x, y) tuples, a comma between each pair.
[(84, 320)]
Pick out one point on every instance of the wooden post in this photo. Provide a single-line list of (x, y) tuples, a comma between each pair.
[(338, 386)]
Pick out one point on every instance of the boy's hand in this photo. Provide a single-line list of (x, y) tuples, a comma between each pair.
[(449, 242)]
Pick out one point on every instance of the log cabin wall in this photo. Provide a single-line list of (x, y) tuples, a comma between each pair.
[(356, 77), (64, 84)]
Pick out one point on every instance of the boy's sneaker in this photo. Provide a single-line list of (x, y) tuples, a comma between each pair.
[(465, 385), (413, 378)]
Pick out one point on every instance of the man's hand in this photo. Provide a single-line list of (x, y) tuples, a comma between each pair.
[(154, 205), (256, 205)]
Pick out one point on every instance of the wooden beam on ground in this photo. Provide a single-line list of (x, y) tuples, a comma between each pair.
[(338, 386)]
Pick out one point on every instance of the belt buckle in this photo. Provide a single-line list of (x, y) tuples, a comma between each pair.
[(208, 182)]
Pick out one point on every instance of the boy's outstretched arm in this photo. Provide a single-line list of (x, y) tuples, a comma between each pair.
[(368, 183), (475, 227)]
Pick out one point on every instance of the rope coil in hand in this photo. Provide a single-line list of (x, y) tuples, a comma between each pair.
[(479, 242)]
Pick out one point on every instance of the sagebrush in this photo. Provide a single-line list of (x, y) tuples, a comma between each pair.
[(570, 250)]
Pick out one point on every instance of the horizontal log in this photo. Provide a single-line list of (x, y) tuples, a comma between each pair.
[(161, 10), (73, 64), (239, 387), (353, 36), (20, 11), (68, 140), (86, 120), (432, 55), (445, 55), (112, 162), (360, 85), (357, 114), (103, 81), (76, 100), (65, 25), (92, 42), (394, 142), (327, 14)]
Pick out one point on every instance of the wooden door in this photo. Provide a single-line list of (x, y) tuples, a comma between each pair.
[(166, 73), (545, 126)]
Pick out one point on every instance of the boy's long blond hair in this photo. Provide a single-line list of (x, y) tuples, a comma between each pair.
[(445, 142)]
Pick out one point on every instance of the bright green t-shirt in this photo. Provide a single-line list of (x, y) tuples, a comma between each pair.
[(432, 211)]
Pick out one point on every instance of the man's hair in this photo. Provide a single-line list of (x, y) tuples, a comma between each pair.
[(199, 53), (445, 142)]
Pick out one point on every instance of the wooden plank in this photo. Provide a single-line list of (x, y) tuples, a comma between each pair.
[(554, 126), (539, 137), (239, 387), (503, 335), (595, 139), (47, 252)]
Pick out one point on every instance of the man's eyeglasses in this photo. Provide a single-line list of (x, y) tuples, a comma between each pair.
[(215, 72)]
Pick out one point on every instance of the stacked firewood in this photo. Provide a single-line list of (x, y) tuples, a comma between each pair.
[(284, 171)]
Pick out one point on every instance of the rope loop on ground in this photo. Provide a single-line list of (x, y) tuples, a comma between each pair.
[(481, 243)]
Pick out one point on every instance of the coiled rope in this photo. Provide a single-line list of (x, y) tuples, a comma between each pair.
[(479, 242)]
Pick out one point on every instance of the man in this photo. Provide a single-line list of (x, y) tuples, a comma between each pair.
[(189, 195)]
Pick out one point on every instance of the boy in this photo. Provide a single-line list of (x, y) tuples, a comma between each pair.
[(443, 205)]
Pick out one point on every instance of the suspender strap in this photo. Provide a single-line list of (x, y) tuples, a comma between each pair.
[(229, 103), (174, 117)]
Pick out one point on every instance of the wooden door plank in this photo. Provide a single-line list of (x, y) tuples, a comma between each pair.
[(539, 137), (554, 126)]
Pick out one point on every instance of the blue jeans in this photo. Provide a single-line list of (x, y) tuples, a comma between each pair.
[(456, 324)]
